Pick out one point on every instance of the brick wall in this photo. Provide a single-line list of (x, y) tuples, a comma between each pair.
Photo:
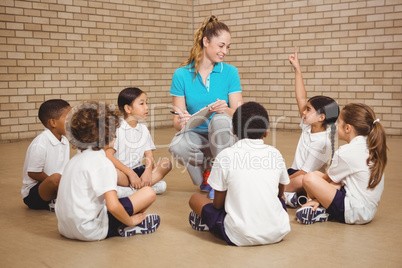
[(79, 50), (349, 50), (87, 50)]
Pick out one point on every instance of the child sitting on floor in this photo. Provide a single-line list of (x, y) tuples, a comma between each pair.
[(46, 157), (313, 151), (352, 187), (133, 142), (248, 179), (87, 206)]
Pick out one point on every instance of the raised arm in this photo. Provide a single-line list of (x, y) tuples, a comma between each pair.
[(301, 95)]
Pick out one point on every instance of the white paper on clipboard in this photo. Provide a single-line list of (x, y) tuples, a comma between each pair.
[(198, 118)]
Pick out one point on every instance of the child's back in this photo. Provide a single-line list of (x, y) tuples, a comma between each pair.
[(81, 212), (251, 172), (249, 178)]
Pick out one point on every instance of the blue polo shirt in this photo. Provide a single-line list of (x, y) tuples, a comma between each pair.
[(221, 82)]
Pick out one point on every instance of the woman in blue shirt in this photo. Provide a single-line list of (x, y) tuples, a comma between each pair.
[(201, 80)]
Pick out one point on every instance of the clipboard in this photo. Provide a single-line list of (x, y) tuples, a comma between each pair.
[(198, 118)]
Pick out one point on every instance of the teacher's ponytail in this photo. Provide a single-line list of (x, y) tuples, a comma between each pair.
[(209, 28)]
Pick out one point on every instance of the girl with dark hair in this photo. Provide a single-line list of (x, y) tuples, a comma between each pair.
[(314, 149), (133, 143), (352, 187), (201, 80)]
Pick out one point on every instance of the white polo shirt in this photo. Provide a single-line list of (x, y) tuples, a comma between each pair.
[(250, 171), (313, 150), (131, 144), (81, 207), (349, 167), (45, 153)]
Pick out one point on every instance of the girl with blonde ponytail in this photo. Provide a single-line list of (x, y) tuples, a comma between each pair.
[(201, 80), (352, 188)]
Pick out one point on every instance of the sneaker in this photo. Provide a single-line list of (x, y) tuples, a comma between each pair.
[(195, 222), (290, 199), (125, 191), (159, 187), (52, 204), (205, 187), (147, 226), (306, 215), (211, 194)]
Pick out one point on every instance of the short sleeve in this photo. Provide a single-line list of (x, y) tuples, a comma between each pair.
[(219, 173), (283, 176), (235, 86), (37, 158), (177, 86), (150, 143), (339, 168)]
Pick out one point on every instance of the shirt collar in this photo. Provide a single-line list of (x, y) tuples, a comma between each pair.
[(125, 125), (218, 68), (250, 142), (53, 140), (359, 139)]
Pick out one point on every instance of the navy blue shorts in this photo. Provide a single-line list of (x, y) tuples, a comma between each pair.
[(336, 210), (139, 170), (214, 219), (291, 171), (115, 223), (34, 201)]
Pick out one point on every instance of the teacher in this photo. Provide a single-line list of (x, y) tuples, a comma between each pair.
[(201, 80)]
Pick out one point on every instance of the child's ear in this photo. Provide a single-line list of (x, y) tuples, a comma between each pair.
[(127, 109), (51, 123), (348, 128), (265, 134), (322, 117)]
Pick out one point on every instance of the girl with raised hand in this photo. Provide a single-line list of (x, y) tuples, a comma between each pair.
[(314, 149)]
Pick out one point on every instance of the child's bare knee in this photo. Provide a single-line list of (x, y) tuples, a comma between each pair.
[(55, 179), (308, 178), (151, 195)]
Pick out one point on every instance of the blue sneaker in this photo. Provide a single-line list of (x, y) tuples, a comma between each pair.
[(306, 215), (147, 226), (195, 222), (211, 194)]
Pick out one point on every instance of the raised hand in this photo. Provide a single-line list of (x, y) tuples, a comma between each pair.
[(294, 60)]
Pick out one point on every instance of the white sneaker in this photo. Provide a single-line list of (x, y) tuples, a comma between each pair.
[(52, 205), (159, 187), (291, 199), (125, 191)]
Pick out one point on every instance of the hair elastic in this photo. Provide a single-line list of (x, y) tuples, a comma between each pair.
[(375, 121)]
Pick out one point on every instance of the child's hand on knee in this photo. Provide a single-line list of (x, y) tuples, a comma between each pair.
[(312, 203)]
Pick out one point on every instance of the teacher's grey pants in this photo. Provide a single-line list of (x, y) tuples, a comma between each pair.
[(193, 150)]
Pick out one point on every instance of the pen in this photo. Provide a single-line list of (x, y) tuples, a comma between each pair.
[(173, 112)]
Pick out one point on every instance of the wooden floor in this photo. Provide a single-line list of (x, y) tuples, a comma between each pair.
[(31, 239)]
